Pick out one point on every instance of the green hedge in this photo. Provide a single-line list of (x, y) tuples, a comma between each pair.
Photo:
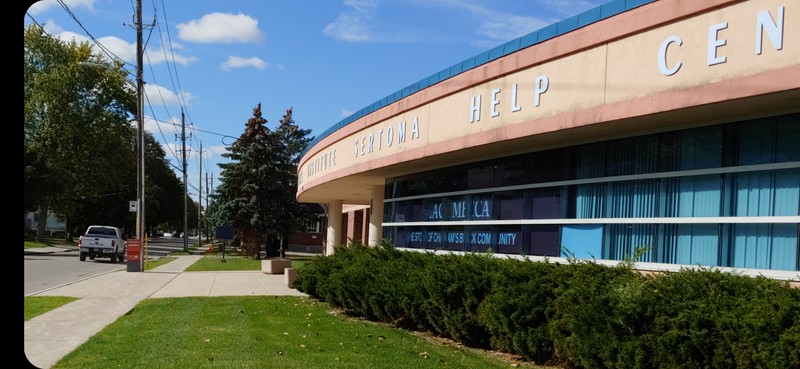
[(580, 314)]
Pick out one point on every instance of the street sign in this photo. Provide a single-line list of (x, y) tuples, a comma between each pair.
[(132, 206), (224, 232)]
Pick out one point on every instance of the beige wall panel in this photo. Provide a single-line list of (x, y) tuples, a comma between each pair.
[(622, 73), (371, 143), (575, 82), (633, 62)]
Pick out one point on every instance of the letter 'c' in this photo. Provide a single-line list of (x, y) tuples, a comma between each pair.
[(662, 56)]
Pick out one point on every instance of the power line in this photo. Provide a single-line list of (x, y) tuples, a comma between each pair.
[(97, 42), (159, 126), (179, 89)]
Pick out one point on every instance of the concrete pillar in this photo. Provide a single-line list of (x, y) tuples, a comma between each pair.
[(365, 225), (352, 226), (376, 215), (334, 225)]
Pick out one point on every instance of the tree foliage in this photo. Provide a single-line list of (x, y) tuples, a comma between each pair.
[(257, 192), (75, 113), (291, 140), (79, 143)]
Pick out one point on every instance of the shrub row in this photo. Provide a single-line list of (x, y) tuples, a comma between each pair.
[(580, 314)]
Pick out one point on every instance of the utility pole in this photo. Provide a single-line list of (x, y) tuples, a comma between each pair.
[(212, 180), (185, 194), (138, 245), (200, 196), (208, 194), (140, 226)]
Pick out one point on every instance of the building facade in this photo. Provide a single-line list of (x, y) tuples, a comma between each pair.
[(669, 129)]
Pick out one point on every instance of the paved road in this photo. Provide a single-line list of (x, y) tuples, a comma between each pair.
[(57, 266)]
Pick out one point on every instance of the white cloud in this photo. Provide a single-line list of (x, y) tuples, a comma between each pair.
[(40, 7), (239, 62), (115, 45), (568, 8), (346, 113), (220, 149), (159, 95), (354, 25), (280, 66), (151, 125), (495, 27), (51, 27), (221, 28), (68, 36), (159, 56), (501, 27), (118, 47)]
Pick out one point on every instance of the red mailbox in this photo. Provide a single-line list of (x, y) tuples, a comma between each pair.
[(134, 247)]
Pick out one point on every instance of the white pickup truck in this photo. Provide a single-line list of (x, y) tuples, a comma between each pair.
[(102, 241)]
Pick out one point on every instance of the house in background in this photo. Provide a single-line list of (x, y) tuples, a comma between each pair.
[(54, 224)]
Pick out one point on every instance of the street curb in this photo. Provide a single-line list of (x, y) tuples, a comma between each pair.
[(73, 282), (63, 249)]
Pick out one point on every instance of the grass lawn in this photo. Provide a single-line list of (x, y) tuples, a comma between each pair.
[(30, 242), (150, 264), (213, 262), (38, 305), (263, 332)]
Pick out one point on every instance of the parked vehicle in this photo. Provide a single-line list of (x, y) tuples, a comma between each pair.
[(102, 241)]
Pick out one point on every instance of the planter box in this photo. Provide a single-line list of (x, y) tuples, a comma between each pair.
[(275, 266), (291, 275)]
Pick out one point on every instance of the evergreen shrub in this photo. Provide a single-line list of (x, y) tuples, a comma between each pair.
[(580, 314)]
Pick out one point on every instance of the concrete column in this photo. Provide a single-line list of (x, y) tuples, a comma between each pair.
[(376, 216), (352, 231), (334, 225), (365, 225)]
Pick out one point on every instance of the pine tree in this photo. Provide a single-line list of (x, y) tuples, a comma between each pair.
[(246, 194), (292, 140), (257, 195)]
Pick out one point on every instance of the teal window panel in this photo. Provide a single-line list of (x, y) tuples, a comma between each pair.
[(692, 244), (583, 241), (765, 246), (788, 135), (783, 255), (754, 194), (787, 192), (691, 196)]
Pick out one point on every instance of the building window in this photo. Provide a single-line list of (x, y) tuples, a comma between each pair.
[(678, 194), (313, 227)]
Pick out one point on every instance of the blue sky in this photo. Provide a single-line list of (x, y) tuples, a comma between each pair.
[(325, 59)]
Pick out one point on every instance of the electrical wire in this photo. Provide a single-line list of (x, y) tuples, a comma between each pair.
[(96, 41)]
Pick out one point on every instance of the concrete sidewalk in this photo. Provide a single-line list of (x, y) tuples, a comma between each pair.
[(103, 299)]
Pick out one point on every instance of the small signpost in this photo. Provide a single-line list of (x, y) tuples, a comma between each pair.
[(224, 233)]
